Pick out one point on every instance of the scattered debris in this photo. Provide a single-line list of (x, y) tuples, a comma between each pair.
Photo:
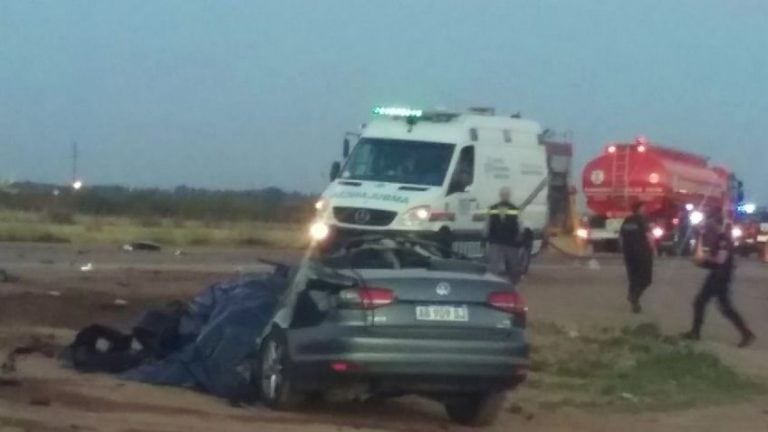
[(115, 304), (593, 264), (47, 261), (86, 268), (7, 277), (37, 344), (40, 401), (9, 382), (53, 293), (518, 409), (573, 334), (179, 252), (142, 246), (630, 397)]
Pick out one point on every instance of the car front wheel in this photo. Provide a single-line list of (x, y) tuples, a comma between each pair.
[(475, 410), (275, 381)]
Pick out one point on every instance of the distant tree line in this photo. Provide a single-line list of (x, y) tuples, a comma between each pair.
[(269, 204)]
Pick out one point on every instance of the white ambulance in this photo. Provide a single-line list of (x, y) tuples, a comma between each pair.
[(435, 173)]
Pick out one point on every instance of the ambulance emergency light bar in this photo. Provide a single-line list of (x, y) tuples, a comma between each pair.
[(398, 111)]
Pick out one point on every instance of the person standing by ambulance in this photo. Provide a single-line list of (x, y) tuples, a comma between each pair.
[(502, 232), (637, 245)]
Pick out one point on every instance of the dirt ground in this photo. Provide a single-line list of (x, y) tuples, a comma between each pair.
[(54, 297)]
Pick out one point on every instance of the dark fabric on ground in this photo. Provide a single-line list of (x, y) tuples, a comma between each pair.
[(200, 345), (226, 320), (85, 355)]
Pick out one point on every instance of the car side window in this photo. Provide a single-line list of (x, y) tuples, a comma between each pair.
[(464, 173)]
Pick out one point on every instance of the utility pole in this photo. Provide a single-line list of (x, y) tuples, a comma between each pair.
[(75, 157), (77, 183)]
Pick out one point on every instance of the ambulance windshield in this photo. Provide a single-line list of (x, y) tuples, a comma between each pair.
[(399, 161)]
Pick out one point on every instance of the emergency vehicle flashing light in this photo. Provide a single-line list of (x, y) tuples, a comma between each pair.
[(612, 149), (736, 232), (747, 208), (696, 217), (582, 233), (398, 112), (658, 232)]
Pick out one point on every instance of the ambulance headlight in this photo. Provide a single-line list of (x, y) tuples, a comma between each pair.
[(319, 231), (696, 217), (321, 204), (416, 215)]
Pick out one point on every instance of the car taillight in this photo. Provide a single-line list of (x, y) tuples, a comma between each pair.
[(508, 301), (366, 298)]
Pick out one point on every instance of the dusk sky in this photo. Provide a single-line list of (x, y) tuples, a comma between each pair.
[(242, 94)]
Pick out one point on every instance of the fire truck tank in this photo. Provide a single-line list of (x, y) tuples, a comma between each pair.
[(664, 179)]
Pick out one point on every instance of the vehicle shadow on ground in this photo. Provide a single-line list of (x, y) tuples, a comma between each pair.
[(401, 414)]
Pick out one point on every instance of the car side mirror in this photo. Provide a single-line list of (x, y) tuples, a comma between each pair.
[(345, 148), (335, 170)]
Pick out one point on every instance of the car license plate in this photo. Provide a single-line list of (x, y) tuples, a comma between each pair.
[(442, 313)]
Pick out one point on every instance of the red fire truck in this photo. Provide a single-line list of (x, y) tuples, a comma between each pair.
[(677, 187)]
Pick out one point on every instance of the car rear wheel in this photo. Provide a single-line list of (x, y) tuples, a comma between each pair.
[(275, 381), (475, 410)]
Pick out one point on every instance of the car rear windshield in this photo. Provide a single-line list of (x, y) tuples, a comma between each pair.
[(399, 161)]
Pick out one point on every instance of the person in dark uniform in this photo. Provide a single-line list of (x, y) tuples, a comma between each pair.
[(719, 262), (502, 233), (637, 246)]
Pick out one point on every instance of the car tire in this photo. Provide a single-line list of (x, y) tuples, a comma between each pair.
[(275, 379), (475, 410)]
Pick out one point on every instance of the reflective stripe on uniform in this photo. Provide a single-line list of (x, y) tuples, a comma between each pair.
[(506, 212)]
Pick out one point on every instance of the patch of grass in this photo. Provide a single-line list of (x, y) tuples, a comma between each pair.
[(36, 233), (633, 368), (36, 227), (253, 241), (60, 217)]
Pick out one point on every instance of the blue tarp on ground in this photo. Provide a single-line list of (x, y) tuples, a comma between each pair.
[(218, 335)]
